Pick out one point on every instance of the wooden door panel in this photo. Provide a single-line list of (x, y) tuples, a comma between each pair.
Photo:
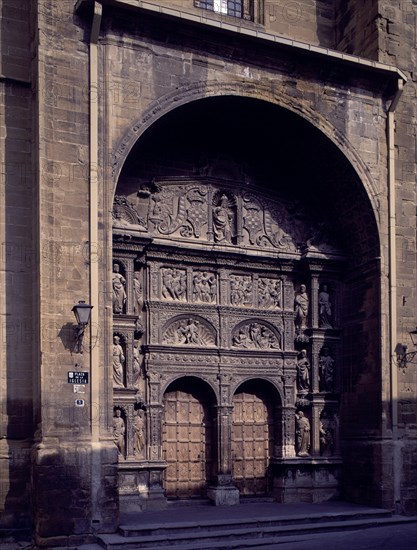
[(251, 443), (186, 445)]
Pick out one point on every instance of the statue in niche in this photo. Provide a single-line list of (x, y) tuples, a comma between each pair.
[(118, 361), (269, 292), (138, 424), (326, 368), (119, 430), (138, 293), (204, 287), (326, 434), (301, 302), (303, 434), (303, 372), (174, 284), (119, 292), (189, 332), (136, 364), (223, 221), (325, 308)]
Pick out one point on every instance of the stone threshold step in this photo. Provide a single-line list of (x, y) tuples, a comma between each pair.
[(240, 537), (247, 522)]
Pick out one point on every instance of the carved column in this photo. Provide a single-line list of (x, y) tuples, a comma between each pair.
[(224, 423), (288, 432), (314, 300), (239, 220), (315, 429)]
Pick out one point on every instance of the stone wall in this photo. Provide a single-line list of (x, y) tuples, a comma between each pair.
[(18, 263)]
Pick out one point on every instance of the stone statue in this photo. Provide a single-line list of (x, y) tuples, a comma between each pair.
[(326, 435), (119, 430), (118, 361), (119, 292), (138, 432), (222, 221), (303, 372), (326, 367), (137, 291), (325, 308), (301, 303), (136, 364), (303, 434)]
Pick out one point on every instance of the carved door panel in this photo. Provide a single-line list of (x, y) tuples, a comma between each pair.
[(186, 445), (251, 443)]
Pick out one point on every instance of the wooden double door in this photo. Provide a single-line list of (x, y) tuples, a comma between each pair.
[(189, 440)]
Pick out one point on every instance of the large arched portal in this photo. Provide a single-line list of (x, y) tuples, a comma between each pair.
[(246, 248)]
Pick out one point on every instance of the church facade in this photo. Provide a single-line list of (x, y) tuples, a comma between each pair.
[(230, 185)]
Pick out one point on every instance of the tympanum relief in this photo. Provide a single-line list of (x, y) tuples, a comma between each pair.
[(201, 209)]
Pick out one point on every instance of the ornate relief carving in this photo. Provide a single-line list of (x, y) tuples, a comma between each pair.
[(206, 212), (241, 290), (204, 287), (256, 335), (269, 293), (174, 284), (125, 214), (188, 332)]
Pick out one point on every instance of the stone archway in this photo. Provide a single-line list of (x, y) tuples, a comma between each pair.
[(188, 438), (221, 234)]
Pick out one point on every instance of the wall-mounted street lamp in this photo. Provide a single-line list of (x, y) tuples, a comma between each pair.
[(405, 357), (82, 312)]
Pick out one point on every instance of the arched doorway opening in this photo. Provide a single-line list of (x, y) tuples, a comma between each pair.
[(254, 428), (188, 438), (222, 229)]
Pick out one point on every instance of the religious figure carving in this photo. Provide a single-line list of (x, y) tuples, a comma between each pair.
[(223, 221), (119, 430), (118, 361), (303, 434), (138, 424), (326, 434), (269, 293), (303, 372), (138, 294), (326, 368), (240, 290), (255, 336), (174, 284), (119, 292), (204, 287), (136, 364), (301, 302), (325, 308), (189, 332)]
